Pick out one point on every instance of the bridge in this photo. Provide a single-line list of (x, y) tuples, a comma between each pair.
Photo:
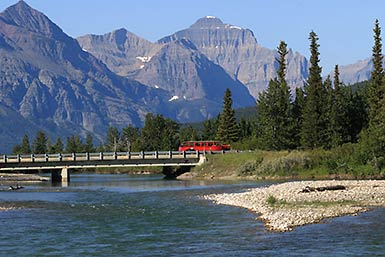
[(174, 163)]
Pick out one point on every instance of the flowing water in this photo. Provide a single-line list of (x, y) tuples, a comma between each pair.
[(126, 215)]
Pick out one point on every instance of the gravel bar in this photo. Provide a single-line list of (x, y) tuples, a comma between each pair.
[(284, 206)]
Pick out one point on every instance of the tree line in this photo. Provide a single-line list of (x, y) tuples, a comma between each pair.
[(158, 133), (323, 114)]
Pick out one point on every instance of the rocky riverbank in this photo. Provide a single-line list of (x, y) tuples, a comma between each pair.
[(284, 206), (19, 177)]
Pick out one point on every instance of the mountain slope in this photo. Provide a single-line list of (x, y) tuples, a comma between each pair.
[(47, 78), (122, 51), (196, 83), (237, 51), (191, 77), (356, 72)]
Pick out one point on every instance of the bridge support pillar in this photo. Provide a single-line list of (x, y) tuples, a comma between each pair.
[(65, 175), (62, 175)]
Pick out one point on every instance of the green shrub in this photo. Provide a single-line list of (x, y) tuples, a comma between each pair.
[(249, 167), (286, 165), (271, 200)]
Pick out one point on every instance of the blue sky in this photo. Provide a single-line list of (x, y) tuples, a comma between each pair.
[(343, 26)]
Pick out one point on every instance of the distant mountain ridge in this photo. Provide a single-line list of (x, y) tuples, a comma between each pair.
[(356, 72), (238, 52), (232, 48)]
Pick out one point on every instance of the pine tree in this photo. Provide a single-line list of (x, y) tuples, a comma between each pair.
[(326, 136), (130, 138), (58, 146), (74, 144), (376, 84), (275, 120), (188, 134), (339, 116), (170, 140), (210, 128), (89, 145), (39, 145), (297, 108), (49, 145), (159, 133), (25, 146), (245, 128), (373, 138), (313, 125), (228, 130), (112, 139), (357, 113)]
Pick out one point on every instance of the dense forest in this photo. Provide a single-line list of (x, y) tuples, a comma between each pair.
[(324, 114)]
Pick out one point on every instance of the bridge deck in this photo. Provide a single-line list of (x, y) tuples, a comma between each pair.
[(94, 160)]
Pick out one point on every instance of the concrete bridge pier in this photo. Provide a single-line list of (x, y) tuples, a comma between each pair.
[(62, 175)]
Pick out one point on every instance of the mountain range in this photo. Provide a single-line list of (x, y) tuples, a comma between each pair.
[(50, 81)]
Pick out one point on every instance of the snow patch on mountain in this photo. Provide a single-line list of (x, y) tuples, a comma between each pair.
[(144, 58), (174, 98)]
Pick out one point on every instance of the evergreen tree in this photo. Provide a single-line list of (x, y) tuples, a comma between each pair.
[(376, 84), (170, 137), (297, 108), (326, 136), (245, 128), (17, 149), (74, 144), (58, 146), (25, 146), (151, 132), (210, 128), (49, 145), (275, 120), (313, 124), (357, 113), (373, 138), (228, 130), (131, 139), (89, 145), (112, 140), (266, 135), (188, 134), (339, 116), (39, 145), (159, 133)]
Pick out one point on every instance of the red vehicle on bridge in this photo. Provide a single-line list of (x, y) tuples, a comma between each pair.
[(203, 146)]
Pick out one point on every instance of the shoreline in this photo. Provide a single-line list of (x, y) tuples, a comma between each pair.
[(283, 206), (21, 177)]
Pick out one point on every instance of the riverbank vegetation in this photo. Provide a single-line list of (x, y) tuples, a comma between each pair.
[(339, 163), (325, 129)]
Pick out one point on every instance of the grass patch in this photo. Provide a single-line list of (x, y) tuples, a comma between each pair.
[(274, 202), (322, 204)]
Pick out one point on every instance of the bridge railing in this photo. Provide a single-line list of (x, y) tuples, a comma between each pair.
[(101, 156)]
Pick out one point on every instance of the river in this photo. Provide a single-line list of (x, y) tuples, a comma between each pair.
[(144, 215)]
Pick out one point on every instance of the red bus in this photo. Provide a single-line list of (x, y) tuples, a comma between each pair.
[(203, 146)]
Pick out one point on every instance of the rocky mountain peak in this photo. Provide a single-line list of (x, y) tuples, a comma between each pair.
[(208, 22), (22, 15)]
